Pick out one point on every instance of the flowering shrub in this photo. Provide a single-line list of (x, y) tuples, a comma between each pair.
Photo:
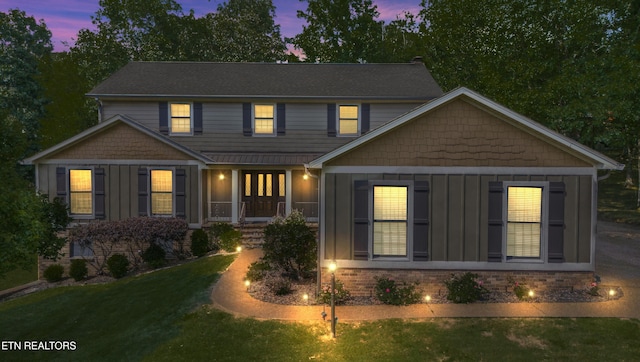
[(519, 289), (341, 294), (465, 288), (388, 292)]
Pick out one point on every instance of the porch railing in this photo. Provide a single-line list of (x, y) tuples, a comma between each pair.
[(220, 210)]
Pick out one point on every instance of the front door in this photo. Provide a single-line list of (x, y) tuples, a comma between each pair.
[(262, 191)]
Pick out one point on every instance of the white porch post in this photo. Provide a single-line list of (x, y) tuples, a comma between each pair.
[(234, 196), (287, 195)]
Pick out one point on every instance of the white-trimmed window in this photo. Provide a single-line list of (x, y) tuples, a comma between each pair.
[(181, 120), (161, 192), (348, 120), (525, 228), (80, 192), (390, 219), (263, 119)]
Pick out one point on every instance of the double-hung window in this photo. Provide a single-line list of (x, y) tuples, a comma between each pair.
[(263, 120), (524, 222), (161, 192), (390, 216), (80, 192), (181, 120), (348, 120)]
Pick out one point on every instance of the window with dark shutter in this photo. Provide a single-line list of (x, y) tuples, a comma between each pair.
[(181, 197), (556, 222), (61, 183), (143, 193), (496, 223), (163, 116), (331, 120), (100, 193), (360, 219), (421, 221)]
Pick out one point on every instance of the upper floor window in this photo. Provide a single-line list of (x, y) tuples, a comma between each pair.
[(80, 192), (263, 120), (161, 192), (524, 222), (180, 114), (348, 120)]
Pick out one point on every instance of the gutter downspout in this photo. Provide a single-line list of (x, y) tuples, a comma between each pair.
[(318, 261), (99, 102)]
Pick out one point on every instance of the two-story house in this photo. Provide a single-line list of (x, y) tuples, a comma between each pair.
[(401, 178)]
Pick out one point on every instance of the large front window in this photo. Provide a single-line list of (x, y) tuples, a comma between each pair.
[(181, 118), (348, 120), (161, 192), (81, 192), (524, 222), (263, 118), (390, 221)]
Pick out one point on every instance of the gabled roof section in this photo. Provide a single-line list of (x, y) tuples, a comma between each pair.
[(403, 81), (106, 125), (569, 145)]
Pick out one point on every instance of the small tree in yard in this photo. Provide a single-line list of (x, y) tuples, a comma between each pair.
[(290, 244)]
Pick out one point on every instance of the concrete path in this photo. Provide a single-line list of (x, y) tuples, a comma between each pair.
[(230, 294)]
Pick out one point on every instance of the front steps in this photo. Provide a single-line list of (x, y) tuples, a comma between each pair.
[(253, 233)]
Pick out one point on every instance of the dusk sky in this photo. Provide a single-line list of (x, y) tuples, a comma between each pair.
[(65, 17)]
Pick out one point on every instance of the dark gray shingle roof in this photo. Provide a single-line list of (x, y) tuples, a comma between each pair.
[(411, 81), (280, 159)]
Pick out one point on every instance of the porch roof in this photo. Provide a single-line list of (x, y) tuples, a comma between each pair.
[(256, 158)]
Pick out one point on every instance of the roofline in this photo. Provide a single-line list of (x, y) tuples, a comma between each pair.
[(602, 161), (106, 124), (381, 98)]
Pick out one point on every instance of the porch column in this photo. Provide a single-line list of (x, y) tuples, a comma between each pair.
[(287, 194), (234, 196)]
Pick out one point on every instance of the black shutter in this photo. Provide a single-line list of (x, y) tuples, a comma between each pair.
[(163, 116), (143, 193), (331, 120), (281, 114), (99, 193), (556, 222), (365, 124), (361, 220), (421, 221), (61, 183), (246, 119), (197, 118), (496, 223), (181, 190)]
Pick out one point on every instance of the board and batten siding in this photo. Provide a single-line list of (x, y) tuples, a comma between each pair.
[(121, 188), (458, 222)]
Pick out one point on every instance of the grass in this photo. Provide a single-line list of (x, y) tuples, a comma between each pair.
[(164, 316), (19, 276), (616, 202)]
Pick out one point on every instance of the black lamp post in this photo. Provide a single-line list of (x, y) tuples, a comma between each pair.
[(332, 269)]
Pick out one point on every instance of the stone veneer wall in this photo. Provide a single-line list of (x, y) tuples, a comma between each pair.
[(361, 282)]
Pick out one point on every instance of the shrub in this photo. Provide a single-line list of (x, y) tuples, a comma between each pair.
[(53, 273), (465, 288), (199, 243), (389, 292), (279, 285), (78, 269), (519, 289), (224, 236), (257, 270), (341, 294), (118, 265), (290, 244), (154, 256)]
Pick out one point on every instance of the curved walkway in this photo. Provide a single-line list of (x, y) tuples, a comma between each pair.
[(230, 294)]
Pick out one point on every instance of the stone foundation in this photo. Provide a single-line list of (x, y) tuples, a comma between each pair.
[(361, 282)]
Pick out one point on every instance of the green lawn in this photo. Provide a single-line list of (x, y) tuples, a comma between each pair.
[(164, 316), (18, 277)]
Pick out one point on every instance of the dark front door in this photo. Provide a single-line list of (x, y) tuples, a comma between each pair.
[(261, 192)]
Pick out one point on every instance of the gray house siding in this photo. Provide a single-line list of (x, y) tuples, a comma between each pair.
[(458, 222)]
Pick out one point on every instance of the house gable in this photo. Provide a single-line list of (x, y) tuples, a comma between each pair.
[(459, 134)]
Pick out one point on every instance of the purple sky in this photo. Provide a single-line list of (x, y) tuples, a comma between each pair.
[(65, 17)]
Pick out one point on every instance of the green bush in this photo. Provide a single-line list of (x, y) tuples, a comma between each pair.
[(465, 288), (290, 245), (224, 236), (389, 292), (341, 294), (118, 265), (519, 289), (78, 269), (280, 285), (257, 270), (53, 273), (199, 243), (154, 256)]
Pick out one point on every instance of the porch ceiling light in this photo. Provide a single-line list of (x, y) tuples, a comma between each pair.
[(305, 177), (221, 176)]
